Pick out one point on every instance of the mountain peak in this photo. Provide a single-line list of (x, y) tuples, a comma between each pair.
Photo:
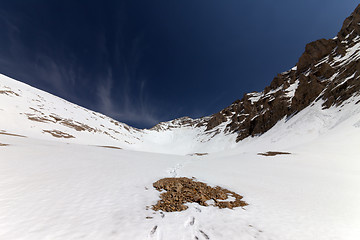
[(350, 28)]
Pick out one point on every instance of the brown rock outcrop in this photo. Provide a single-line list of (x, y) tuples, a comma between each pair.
[(184, 190), (315, 51)]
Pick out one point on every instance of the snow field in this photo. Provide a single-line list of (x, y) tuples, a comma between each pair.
[(54, 190)]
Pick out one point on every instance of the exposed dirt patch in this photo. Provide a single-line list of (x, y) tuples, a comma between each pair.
[(72, 124), (12, 134), (76, 125), (270, 154), (198, 154), (56, 119), (35, 110), (58, 134), (184, 190), (32, 117), (113, 147), (3, 144), (8, 92)]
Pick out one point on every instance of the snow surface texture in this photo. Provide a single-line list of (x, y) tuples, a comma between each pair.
[(70, 188)]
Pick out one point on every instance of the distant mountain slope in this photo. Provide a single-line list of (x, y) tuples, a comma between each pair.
[(35, 113), (30, 112)]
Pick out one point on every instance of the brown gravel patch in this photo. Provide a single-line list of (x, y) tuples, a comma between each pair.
[(184, 190), (32, 117), (76, 125), (8, 92), (273, 153), (3, 144)]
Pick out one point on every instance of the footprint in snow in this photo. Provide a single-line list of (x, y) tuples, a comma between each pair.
[(257, 231), (153, 231), (174, 171), (190, 222), (204, 234)]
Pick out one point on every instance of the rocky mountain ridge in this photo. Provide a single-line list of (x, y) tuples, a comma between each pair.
[(328, 70)]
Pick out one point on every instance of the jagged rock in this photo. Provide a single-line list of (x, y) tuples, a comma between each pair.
[(215, 120), (325, 71), (315, 51), (277, 81), (350, 26)]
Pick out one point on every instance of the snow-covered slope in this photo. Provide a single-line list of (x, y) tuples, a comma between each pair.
[(56, 190), (34, 113)]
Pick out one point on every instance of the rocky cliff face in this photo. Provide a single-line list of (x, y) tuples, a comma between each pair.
[(328, 70)]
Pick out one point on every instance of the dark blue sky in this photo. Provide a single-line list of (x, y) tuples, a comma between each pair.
[(142, 62)]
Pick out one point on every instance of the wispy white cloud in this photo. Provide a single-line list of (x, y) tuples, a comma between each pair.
[(129, 102), (126, 108), (62, 77), (56, 70), (40, 67)]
